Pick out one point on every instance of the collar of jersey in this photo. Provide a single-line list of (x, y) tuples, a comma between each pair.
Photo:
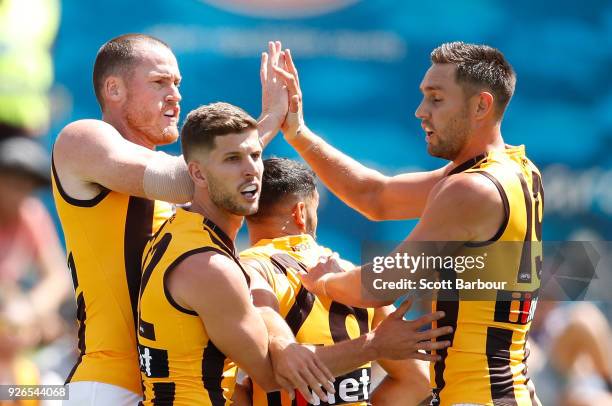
[(288, 241), (513, 152), (210, 226)]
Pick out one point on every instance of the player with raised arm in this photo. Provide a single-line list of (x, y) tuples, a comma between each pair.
[(109, 185), (195, 313), (283, 238), (489, 192)]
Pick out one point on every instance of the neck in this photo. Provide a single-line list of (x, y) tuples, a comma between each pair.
[(117, 120), (272, 228), (229, 223), (482, 141)]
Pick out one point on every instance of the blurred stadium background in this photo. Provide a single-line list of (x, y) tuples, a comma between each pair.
[(360, 65)]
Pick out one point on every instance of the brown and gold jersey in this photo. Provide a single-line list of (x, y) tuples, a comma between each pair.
[(179, 363), (105, 237), (313, 319), (486, 362)]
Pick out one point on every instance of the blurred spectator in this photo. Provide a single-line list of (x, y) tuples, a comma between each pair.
[(27, 32), (33, 274), (570, 360)]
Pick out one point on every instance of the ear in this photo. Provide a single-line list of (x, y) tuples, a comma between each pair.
[(299, 216), (196, 174), (114, 89), (485, 105)]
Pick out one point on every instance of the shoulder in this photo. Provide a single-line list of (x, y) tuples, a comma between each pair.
[(466, 190), (208, 270), (82, 142), (462, 207), (206, 280), (84, 130)]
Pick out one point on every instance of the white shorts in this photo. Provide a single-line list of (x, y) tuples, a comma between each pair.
[(87, 393)]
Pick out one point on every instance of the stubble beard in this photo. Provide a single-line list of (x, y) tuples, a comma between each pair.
[(227, 202), (454, 137)]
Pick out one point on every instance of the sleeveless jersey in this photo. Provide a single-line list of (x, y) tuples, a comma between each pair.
[(105, 237), (179, 363), (313, 319), (486, 362)]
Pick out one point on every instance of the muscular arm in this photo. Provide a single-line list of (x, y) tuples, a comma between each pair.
[(376, 196), (91, 154), (463, 207), (394, 339), (220, 296), (292, 363)]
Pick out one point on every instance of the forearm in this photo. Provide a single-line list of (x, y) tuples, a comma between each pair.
[(352, 182), (275, 324), (345, 287), (166, 178), (243, 394), (349, 355), (264, 373)]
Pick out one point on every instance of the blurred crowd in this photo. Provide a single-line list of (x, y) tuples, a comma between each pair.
[(36, 304)]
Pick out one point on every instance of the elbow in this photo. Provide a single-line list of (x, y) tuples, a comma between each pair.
[(371, 209)]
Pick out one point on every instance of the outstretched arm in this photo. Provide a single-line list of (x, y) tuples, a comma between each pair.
[(393, 338), (90, 155), (373, 194), (464, 207)]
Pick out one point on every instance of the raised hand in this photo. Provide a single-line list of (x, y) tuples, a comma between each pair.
[(274, 98), (295, 116)]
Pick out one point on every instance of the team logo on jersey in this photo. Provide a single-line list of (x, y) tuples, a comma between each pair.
[(350, 388), (515, 307), (281, 9), (153, 362)]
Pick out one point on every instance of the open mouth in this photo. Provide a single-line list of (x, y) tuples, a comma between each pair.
[(250, 191), (171, 112)]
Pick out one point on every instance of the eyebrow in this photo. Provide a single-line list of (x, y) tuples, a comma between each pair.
[(165, 75), (232, 153), (430, 88)]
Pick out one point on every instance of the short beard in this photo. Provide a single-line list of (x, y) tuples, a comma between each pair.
[(227, 202), (169, 135), (144, 122), (457, 133)]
